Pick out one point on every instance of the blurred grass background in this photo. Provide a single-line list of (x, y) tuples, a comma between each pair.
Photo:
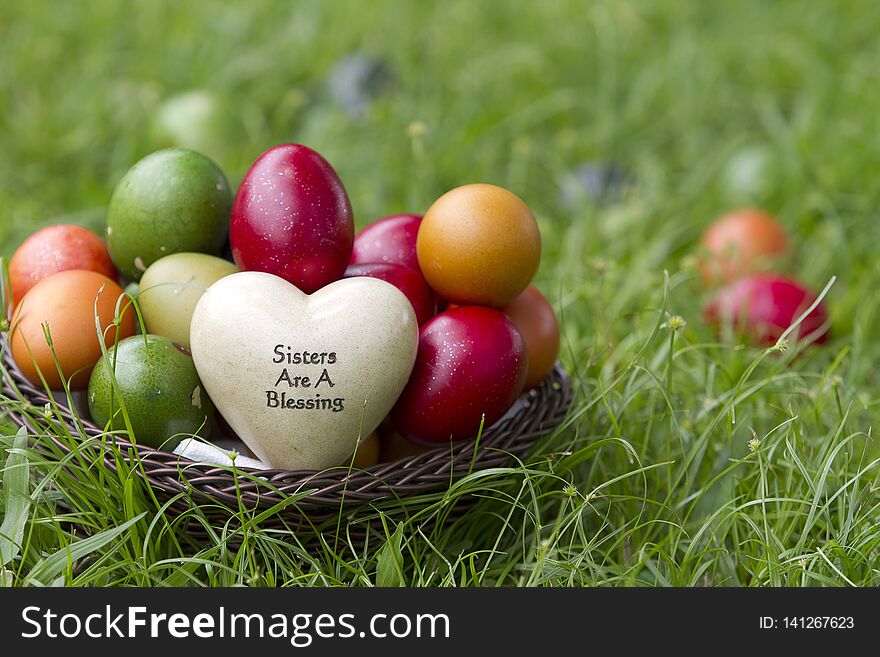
[(513, 92), (627, 126)]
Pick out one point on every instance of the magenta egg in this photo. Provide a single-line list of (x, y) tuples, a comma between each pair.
[(471, 361), (390, 240), (292, 218), (407, 280), (763, 306)]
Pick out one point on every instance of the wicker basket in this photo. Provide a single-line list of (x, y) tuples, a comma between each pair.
[(325, 497)]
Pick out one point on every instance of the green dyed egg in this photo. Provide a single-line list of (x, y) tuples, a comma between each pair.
[(199, 120), (172, 201), (160, 388), (172, 286), (193, 119)]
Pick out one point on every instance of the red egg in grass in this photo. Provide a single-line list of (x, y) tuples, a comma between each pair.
[(471, 361), (763, 306), (292, 218), (391, 240), (741, 243), (536, 321), (407, 280), (54, 249)]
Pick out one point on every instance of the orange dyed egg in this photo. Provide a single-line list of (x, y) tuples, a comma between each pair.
[(479, 245), (394, 447), (66, 303), (536, 321), (54, 249), (740, 243), (367, 453)]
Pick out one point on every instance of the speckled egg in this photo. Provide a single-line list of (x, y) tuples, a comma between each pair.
[(471, 361), (292, 218)]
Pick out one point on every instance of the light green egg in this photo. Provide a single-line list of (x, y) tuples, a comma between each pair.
[(172, 286)]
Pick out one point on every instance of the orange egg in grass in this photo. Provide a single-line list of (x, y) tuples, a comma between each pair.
[(478, 245), (66, 303), (534, 317), (741, 242)]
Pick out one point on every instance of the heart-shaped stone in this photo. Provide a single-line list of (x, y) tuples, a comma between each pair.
[(299, 377)]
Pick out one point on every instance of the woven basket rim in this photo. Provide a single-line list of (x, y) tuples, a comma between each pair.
[(536, 414)]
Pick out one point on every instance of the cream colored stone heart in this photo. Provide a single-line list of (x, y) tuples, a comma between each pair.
[(299, 377)]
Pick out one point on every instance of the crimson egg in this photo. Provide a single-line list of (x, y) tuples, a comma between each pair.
[(390, 239), (763, 306), (407, 280), (292, 218), (471, 361)]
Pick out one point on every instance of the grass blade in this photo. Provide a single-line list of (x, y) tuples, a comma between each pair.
[(17, 500), (389, 569), (55, 564)]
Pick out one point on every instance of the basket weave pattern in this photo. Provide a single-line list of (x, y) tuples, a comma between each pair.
[(324, 493)]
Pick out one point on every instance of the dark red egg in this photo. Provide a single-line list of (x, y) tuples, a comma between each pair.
[(471, 361), (390, 239), (407, 280), (763, 306), (292, 218)]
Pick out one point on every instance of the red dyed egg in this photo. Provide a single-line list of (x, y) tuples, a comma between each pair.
[(54, 249), (390, 240), (471, 361), (763, 306), (407, 280), (292, 218)]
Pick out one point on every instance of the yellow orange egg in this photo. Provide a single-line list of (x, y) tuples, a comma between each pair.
[(66, 303), (367, 453), (479, 245), (394, 447)]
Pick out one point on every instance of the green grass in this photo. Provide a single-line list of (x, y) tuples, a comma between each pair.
[(686, 461)]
